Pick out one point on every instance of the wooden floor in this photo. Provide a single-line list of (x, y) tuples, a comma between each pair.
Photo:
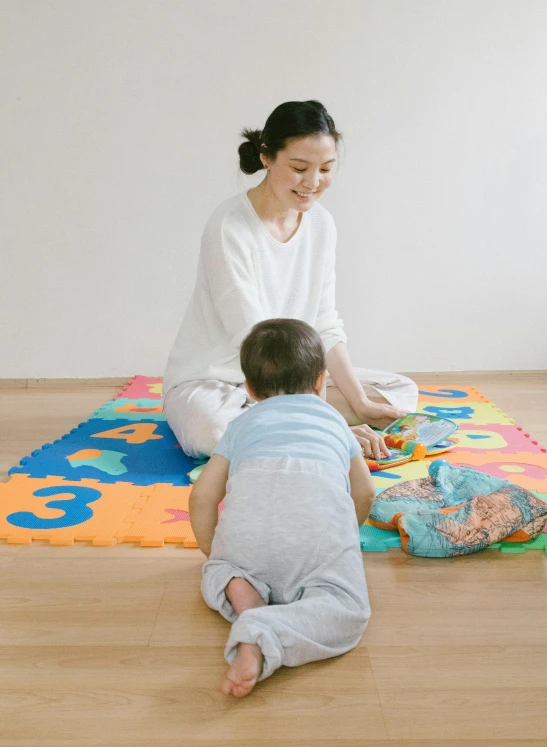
[(114, 646)]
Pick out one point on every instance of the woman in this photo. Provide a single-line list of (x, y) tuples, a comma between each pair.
[(266, 253)]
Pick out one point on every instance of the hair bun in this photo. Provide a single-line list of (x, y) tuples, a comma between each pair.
[(249, 152)]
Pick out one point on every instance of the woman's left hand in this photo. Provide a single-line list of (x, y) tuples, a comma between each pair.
[(379, 415)]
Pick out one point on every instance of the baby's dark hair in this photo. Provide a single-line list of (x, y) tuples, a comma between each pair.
[(282, 356), (289, 120)]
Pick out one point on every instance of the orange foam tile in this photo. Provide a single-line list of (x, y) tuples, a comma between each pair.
[(163, 518), (65, 511)]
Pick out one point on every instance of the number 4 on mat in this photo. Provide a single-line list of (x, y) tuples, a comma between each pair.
[(76, 509)]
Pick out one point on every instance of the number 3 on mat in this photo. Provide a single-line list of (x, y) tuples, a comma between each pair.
[(76, 509)]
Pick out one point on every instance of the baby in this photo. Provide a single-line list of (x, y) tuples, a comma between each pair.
[(285, 564)]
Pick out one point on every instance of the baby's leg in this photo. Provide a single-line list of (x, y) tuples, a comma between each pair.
[(324, 622), (232, 591), (247, 664), (222, 595), (243, 596)]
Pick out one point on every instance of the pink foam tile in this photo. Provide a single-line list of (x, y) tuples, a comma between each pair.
[(142, 387), (507, 439)]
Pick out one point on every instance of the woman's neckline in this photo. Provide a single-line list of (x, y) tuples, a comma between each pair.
[(268, 234)]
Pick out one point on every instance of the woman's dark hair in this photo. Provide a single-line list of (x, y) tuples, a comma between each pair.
[(282, 356), (289, 120)]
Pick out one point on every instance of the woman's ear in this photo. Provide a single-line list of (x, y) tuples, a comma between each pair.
[(264, 160)]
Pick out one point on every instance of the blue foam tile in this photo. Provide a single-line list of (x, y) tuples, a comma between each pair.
[(154, 435), (113, 458)]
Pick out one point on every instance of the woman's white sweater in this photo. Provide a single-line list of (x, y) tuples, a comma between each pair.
[(244, 276)]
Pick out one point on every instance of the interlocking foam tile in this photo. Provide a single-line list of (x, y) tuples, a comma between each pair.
[(457, 394), (155, 434), (142, 387), (410, 471), (540, 543), (63, 511), (377, 540), (505, 439), (131, 409), (163, 518), (140, 453)]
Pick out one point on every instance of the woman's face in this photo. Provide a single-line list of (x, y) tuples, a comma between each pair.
[(302, 171)]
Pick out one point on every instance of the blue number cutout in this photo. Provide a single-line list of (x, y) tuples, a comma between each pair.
[(446, 393), (76, 509), (455, 413)]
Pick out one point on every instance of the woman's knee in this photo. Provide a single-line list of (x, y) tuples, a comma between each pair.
[(197, 420), (197, 436)]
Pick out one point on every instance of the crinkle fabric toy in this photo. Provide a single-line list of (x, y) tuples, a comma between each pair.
[(456, 511)]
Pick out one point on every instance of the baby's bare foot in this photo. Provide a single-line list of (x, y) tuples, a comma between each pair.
[(244, 672), (243, 595)]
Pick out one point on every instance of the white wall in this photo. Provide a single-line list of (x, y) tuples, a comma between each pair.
[(119, 135)]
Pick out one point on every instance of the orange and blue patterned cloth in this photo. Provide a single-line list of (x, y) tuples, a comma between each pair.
[(458, 511)]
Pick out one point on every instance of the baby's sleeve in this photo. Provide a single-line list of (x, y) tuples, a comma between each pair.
[(224, 446), (354, 445)]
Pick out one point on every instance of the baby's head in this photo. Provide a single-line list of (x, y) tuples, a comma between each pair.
[(282, 356)]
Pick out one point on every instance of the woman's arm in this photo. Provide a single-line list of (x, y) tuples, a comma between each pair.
[(341, 369), (350, 400), (353, 402), (207, 493)]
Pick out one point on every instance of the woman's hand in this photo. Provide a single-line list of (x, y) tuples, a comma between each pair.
[(371, 442), (378, 415)]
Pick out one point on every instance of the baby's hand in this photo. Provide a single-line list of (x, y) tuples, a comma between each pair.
[(371, 442)]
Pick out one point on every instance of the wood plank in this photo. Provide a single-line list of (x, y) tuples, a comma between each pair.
[(68, 383)]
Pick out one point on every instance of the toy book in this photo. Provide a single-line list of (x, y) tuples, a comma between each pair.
[(415, 436)]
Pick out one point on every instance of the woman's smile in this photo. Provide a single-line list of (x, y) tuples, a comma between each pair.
[(304, 196)]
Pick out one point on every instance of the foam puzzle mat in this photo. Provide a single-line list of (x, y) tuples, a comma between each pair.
[(122, 477)]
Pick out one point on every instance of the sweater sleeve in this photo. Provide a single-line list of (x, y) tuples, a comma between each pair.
[(231, 281), (328, 323)]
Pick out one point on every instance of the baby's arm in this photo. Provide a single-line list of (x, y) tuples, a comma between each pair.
[(207, 493), (362, 487)]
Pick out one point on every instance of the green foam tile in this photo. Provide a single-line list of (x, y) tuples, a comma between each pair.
[(517, 548), (377, 540)]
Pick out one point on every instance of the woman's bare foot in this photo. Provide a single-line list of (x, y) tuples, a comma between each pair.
[(244, 672), (243, 595)]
